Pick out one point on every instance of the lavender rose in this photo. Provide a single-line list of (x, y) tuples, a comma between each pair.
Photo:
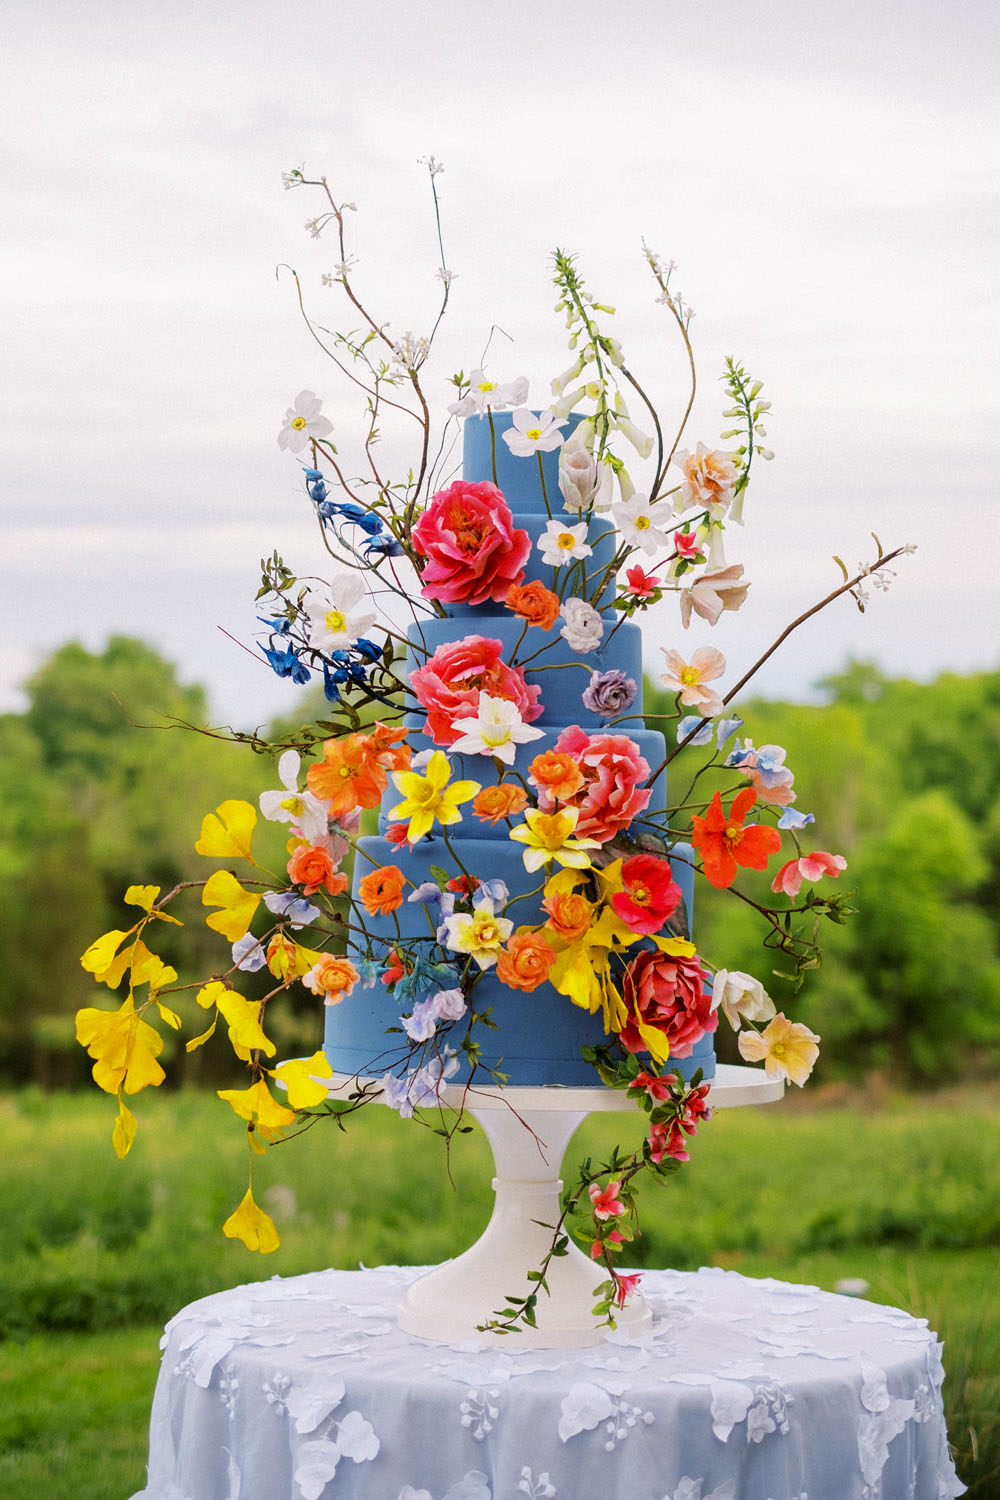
[(610, 694)]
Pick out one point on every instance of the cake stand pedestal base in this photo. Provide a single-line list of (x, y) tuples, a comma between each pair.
[(528, 1130)]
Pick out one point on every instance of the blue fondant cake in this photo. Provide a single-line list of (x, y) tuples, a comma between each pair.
[(538, 1034)]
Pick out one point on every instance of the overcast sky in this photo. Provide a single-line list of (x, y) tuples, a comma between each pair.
[(825, 177)]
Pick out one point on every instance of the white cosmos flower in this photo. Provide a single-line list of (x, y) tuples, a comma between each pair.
[(302, 422), (560, 543), (496, 728), (302, 809), (483, 393), (533, 434), (341, 618), (584, 628), (641, 524)]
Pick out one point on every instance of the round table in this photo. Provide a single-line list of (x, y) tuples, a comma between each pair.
[(307, 1389)]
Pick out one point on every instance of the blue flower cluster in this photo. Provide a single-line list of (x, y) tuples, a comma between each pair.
[(379, 542)]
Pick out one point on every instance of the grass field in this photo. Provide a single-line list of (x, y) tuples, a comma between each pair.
[(96, 1254)]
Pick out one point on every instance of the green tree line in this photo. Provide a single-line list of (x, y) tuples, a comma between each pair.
[(100, 789)]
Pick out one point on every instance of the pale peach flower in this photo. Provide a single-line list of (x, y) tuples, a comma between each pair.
[(689, 678), (709, 480), (786, 1048), (713, 592)]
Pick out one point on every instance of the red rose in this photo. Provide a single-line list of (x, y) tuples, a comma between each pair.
[(473, 551), (450, 681), (666, 993)]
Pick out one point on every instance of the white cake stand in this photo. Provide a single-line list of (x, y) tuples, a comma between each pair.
[(528, 1130)]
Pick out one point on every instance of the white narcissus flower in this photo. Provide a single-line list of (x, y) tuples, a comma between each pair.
[(338, 620), (496, 728), (484, 392), (642, 525), (302, 809), (532, 434), (739, 995), (584, 628), (689, 678), (561, 544), (303, 422)]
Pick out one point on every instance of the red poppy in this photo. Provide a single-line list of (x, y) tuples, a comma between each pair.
[(724, 844)]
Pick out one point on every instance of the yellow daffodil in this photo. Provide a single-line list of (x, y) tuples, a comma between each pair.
[(429, 799), (228, 831), (548, 836), (478, 933), (253, 1226)]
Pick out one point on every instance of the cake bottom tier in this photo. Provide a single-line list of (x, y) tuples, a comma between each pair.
[(539, 1033)]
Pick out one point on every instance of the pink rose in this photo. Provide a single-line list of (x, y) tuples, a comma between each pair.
[(612, 793), (667, 994), (449, 683), (473, 551)]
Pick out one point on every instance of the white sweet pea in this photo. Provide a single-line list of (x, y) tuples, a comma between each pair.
[(642, 525), (584, 628), (738, 995), (343, 616), (496, 728), (560, 544), (302, 422), (532, 434)]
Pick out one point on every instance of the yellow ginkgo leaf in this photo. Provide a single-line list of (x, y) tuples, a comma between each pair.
[(253, 1226), (199, 1041), (142, 895), (99, 957), (125, 1049), (209, 993), (300, 1075), (126, 1126), (170, 1016), (238, 905), (243, 1019), (257, 1105), (228, 831), (149, 968)]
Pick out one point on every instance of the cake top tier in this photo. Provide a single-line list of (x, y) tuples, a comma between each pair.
[(516, 477)]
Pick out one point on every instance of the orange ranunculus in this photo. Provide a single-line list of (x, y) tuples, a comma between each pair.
[(724, 844), (533, 602), (556, 775), (505, 800), (570, 914), (311, 867), (333, 977), (525, 963), (381, 891)]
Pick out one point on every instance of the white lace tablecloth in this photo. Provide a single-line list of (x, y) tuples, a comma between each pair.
[(745, 1390)]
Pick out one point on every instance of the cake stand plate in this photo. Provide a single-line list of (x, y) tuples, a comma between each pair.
[(528, 1130)]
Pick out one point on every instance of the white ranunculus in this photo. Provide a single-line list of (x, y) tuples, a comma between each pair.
[(584, 628)]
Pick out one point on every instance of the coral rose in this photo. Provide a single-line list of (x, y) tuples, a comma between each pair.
[(666, 1000), (449, 683), (473, 551), (525, 963), (612, 793), (535, 603), (504, 800), (381, 891), (332, 977), (311, 867)]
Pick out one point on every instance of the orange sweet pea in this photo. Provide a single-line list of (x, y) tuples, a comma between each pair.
[(381, 891), (556, 775), (525, 963), (503, 801), (725, 845)]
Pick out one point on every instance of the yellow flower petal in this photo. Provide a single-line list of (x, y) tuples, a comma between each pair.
[(238, 905), (299, 1077), (228, 831), (253, 1226)]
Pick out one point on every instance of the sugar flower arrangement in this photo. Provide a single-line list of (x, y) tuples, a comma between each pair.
[(611, 933)]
